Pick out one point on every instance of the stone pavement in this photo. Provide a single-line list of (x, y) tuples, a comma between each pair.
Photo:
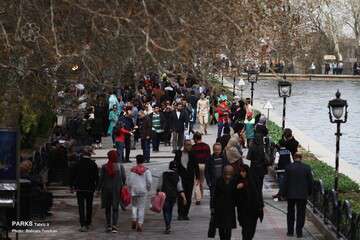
[(65, 216)]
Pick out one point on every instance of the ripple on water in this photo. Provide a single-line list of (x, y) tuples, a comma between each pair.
[(307, 110)]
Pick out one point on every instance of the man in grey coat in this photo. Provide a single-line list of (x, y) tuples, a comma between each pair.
[(298, 183)]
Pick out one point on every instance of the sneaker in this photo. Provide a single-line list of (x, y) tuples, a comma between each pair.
[(198, 203), (108, 229), (167, 230), (180, 218), (83, 229), (299, 235), (186, 218), (290, 234), (114, 229)]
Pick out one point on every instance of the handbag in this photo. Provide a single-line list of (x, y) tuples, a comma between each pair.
[(125, 196), (157, 202)]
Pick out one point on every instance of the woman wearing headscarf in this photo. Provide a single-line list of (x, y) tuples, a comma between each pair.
[(113, 119), (112, 179), (249, 202)]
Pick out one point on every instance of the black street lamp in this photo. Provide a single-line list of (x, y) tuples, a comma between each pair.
[(252, 78), (337, 108), (284, 88)]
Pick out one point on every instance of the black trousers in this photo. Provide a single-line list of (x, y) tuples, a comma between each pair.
[(183, 210), (300, 205), (127, 147), (85, 202), (249, 228), (225, 233)]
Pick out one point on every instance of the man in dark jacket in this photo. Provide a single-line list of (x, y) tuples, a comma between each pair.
[(188, 170), (84, 180), (214, 168), (289, 142), (179, 120), (145, 134), (127, 120), (298, 183)]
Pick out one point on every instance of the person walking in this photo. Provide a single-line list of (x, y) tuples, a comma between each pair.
[(289, 142), (157, 119), (139, 183), (223, 112), (298, 183), (167, 113), (84, 179), (201, 153), (171, 184), (179, 122), (112, 179), (128, 124), (249, 202), (249, 128), (188, 170), (120, 135), (224, 205), (260, 126), (145, 134), (203, 109), (113, 119), (214, 168), (233, 150), (256, 156), (283, 160)]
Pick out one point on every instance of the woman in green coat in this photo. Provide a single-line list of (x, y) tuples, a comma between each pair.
[(113, 119)]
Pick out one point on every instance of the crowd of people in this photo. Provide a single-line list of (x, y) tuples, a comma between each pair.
[(164, 113), (235, 188)]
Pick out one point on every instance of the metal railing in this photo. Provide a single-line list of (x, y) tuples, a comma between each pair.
[(335, 213)]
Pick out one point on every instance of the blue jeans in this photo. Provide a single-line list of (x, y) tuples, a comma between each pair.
[(120, 151), (220, 128), (145, 145), (167, 210)]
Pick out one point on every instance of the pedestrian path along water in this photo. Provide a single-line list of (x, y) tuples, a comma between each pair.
[(65, 215)]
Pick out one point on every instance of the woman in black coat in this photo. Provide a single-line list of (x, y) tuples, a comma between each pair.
[(224, 205), (249, 202)]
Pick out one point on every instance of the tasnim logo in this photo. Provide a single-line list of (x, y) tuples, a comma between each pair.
[(22, 223)]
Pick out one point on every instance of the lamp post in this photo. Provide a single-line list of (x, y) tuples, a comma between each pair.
[(252, 78), (337, 108), (234, 86), (241, 85), (284, 88)]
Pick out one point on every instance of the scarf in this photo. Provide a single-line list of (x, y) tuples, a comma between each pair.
[(109, 167)]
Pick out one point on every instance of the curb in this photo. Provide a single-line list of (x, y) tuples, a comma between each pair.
[(319, 224)]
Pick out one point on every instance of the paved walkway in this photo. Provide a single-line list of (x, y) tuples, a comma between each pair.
[(65, 215)]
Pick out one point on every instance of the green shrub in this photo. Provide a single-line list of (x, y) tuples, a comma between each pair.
[(327, 174)]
